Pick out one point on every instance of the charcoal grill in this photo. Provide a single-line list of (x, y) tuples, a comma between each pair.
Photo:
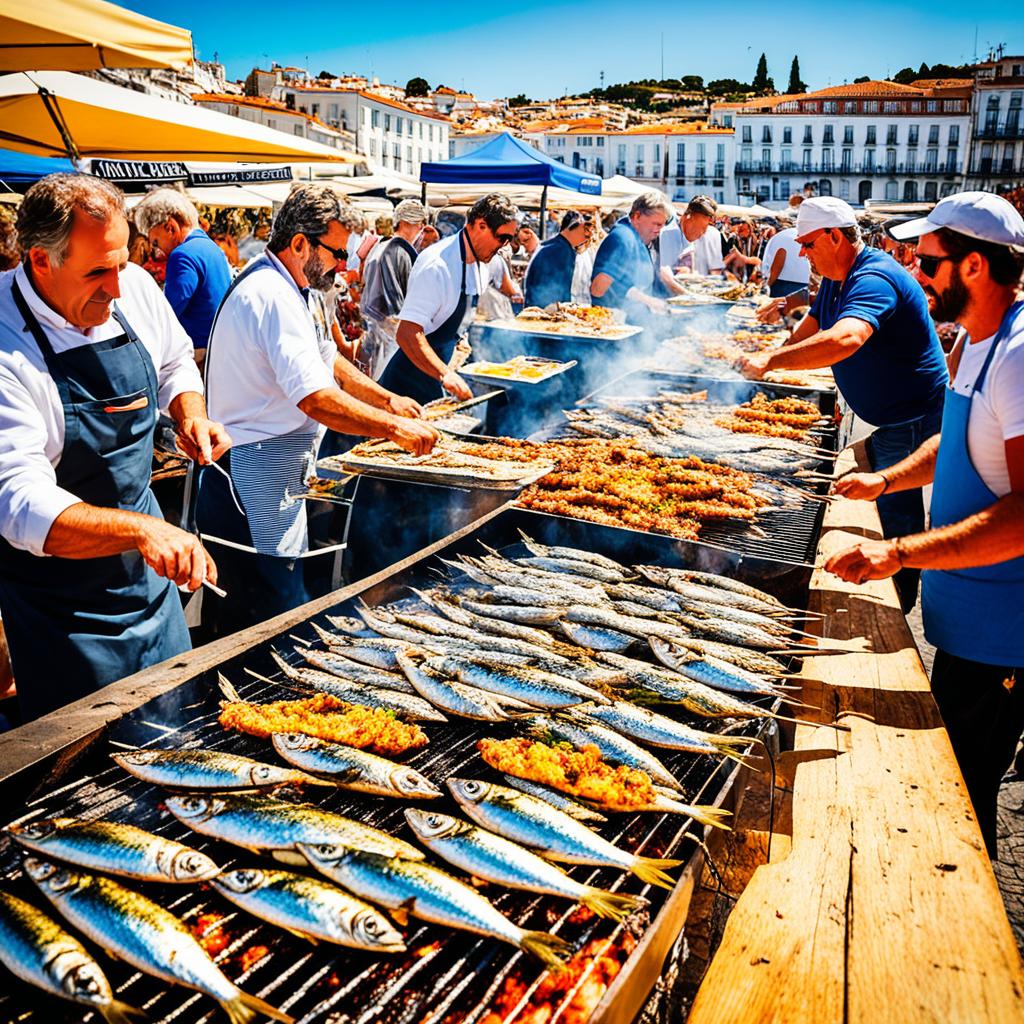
[(445, 977)]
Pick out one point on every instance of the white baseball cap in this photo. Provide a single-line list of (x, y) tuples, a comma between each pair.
[(981, 215), (823, 212)]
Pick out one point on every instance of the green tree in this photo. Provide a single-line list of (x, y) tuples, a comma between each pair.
[(721, 86), (795, 83), (518, 101), (905, 76), (325, 76), (761, 82), (863, 78), (417, 87), (693, 83)]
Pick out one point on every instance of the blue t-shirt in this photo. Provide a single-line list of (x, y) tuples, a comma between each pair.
[(549, 275), (627, 261), (198, 275), (899, 373)]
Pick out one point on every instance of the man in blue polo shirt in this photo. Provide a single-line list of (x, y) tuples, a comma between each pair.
[(549, 275), (623, 268), (198, 272), (870, 323)]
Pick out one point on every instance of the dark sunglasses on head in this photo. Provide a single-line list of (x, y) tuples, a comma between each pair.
[(930, 264), (339, 254)]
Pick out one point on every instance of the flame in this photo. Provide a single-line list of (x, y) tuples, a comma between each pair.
[(212, 937), (252, 956)]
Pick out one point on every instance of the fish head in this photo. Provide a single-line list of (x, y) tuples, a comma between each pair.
[(322, 855), (137, 757), (294, 741), (241, 880), (188, 866), (371, 927), (49, 877), (413, 784), (33, 831), (269, 775), (79, 977), (431, 825), (469, 791), (195, 808)]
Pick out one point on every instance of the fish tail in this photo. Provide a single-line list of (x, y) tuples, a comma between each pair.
[(705, 814), (116, 1012), (612, 905), (652, 871), (245, 1008), (730, 746), (552, 950)]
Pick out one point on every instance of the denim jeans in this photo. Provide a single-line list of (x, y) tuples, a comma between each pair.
[(902, 513)]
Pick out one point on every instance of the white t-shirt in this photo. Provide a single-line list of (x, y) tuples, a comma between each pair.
[(997, 413), (796, 268), (31, 414), (705, 252), (265, 356), (434, 283)]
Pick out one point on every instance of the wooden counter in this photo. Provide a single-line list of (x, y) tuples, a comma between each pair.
[(879, 902)]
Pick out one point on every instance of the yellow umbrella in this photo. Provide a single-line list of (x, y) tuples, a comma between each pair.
[(56, 113), (81, 35)]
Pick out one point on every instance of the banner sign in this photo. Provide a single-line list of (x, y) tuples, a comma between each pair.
[(140, 172), (239, 176)]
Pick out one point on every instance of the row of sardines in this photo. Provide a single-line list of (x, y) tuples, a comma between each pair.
[(583, 667)]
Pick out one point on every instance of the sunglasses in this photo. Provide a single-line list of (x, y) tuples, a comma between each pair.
[(341, 255), (811, 245), (929, 265), (504, 239)]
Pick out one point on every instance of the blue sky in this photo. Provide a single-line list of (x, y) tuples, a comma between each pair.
[(550, 49)]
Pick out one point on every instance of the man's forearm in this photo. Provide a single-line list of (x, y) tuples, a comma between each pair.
[(824, 348), (346, 414), (354, 382), (88, 531), (413, 342), (993, 535), (916, 470), (188, 405)]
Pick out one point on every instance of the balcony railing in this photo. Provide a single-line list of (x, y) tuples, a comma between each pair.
[(1000, 131), (986, 167), (760, 167)]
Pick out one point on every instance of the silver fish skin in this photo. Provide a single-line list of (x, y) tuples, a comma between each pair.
[(454, 697), (573, 568), (580, 730), (646, 726), (137, 930), (652, 597), (429, 894), (532, 686), (727, 583), (697, 594), (562, 801), (114, 849), (630, 624), (516, 575), (354, 769), (597, 638), (206, 769), (36, 949), (712, 671), (485, 855), (538, 826), (309, 908), (261, 823), (521, 614), (576, 554), (758, 662), (408, 705), (347, 624), (336, 663), (376, 651), (729, 631)]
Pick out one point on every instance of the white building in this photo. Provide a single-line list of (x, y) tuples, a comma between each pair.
[(387, 131), (872, 140), (997, 150), (276, 115)]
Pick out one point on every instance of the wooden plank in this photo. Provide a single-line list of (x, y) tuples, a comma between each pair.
[(886, 907)]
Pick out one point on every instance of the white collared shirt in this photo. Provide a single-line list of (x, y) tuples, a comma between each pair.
[(435, 281), (265, 356), (31, 413), (705, 252)]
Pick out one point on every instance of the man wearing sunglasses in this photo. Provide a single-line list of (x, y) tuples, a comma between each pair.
[(274, 372), (970, 261), (444, 289), (870, 324)]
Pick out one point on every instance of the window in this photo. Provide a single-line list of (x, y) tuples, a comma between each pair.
[(892, 107), (844, 188), (930, 191), (766, 157), (374, 118), (847, 159), (870, 138), (599, 166), (620, 156), (766, 133), (910, 192), (915, 106), (827, 138), (640, 169), (430, 133), (746, 156), (399, 127), (912, 135), (387, 122), (826, 159), (680, 159), (892, 189), (911, 161), (931, 160), (373, 148), (848, 135), (728, 120), (807, 159), (786, 159), (787, 136), (849, 107), (933, 135), (871, 106), (657, 157), (890, 159), (332, 111), (808, 135), (746, 133), (784, 189), (720, 160), (931, 106), (299, 129), (892, 135), (954, 135), (824, 187), (600, 142), (830, 107), (869, 159)]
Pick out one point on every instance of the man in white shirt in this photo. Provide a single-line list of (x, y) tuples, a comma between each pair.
[(786, 270), (691, 242), (970, 261), (274, 374), (89, 352), (444, 288)]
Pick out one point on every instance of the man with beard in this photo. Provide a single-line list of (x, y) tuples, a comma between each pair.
[(274, 373), (870, 323), (969, 260)]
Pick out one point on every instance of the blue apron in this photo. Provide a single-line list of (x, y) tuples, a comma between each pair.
[(402, 377), (977, 613), (74, 625)]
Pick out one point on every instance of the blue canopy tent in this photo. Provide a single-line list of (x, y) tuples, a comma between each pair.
[(19, 170), (507, 160)]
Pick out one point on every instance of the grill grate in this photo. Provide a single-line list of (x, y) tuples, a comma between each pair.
[(445, 977)]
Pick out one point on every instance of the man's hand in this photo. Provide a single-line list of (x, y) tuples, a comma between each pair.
[(516, 298), (401, 405), (656, 305), (866, 560), (753, 366), (173, 553), (414, 436), (771, 312), (202, 440), (455, 385), (860, 486)]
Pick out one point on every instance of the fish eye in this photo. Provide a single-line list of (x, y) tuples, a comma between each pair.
[(262, 772), (473, 787), (370, 924), (36, 829), (83, 981), (435, 820)]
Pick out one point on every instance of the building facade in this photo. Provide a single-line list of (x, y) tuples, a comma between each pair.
[(871, 140), (997, 126), (276, 115)]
